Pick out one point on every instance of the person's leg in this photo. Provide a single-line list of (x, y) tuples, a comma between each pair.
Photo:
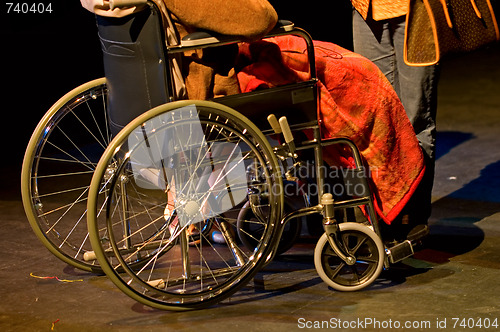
[(418, 93), (372, 39)]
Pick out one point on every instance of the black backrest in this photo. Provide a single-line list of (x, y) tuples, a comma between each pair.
[(134, 65)]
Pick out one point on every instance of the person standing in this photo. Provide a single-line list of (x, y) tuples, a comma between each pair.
[(378, 34)]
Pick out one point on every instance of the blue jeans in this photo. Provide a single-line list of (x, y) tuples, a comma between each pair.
[(383, 42)]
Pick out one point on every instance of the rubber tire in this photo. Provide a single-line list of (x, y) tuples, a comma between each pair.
[(344, 228)]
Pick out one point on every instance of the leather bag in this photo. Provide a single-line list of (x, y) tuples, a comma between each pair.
[(435, 28)]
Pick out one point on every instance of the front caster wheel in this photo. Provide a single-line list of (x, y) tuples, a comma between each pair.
[(358, 241)]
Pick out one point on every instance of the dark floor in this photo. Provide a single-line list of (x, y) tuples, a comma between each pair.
[(453, 283)]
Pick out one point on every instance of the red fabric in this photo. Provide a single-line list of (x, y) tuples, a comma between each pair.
[(356, 101)]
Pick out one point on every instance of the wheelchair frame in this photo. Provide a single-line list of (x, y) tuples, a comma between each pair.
[(349, 255)]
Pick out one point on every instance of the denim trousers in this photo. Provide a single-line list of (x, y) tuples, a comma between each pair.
[(382, 42)]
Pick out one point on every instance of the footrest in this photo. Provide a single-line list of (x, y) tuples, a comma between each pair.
[(400, 251)]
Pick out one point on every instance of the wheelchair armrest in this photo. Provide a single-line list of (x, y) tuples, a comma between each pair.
[(205, 38), (125, 3), (201, 38), (282, 25)]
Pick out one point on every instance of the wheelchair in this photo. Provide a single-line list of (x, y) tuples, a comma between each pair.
[(139, 201)]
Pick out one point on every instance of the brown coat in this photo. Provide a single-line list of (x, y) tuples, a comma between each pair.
[(246, 18), (381, 9), (209, 73)]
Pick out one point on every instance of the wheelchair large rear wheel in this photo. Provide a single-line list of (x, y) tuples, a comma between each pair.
[(58, 165), (170, 174)]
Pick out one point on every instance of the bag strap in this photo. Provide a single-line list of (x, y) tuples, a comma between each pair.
[(446, 6), (476, 9), (449, 16)]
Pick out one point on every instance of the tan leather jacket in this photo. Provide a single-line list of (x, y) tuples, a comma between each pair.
[(206, 73), (381, 9), (246, 18)]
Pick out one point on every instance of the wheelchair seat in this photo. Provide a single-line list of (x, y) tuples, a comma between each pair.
[(295, 101)]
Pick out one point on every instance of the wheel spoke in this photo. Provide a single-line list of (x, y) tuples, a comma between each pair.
[(59, 163), (184, 175)]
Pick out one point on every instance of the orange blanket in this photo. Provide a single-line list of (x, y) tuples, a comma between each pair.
[(356, 101)]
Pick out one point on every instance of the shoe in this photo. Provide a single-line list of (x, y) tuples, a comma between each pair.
[(418, 232), (409, 227)]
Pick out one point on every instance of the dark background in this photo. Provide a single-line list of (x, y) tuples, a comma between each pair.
[(45, 55)]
